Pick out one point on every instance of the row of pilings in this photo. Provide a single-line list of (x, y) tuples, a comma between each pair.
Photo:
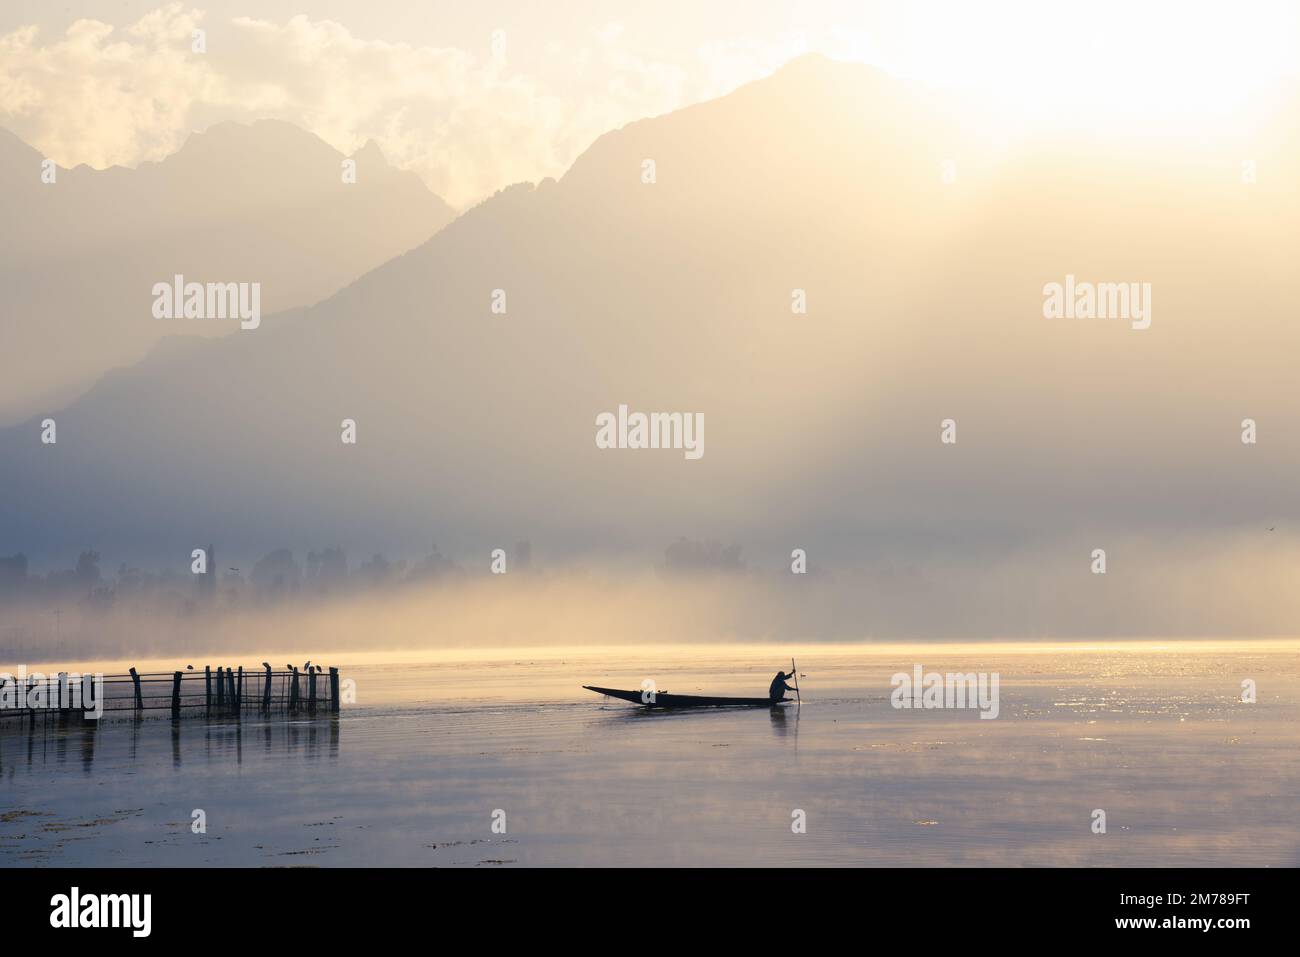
[(225, 690)]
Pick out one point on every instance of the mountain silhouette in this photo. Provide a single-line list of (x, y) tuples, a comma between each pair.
[(924, 302), (263, 202)]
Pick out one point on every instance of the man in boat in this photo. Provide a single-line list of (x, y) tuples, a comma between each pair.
[(777, 689)]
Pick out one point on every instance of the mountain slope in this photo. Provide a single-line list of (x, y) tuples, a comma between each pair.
[(822, 429), (263, 202)]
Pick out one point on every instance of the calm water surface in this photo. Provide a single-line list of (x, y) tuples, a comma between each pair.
[(412, 774)]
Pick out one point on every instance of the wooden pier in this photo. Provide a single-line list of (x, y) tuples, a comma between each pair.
[(216, 691)]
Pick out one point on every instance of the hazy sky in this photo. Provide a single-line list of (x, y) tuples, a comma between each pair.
[(107, 83), (828, 178)]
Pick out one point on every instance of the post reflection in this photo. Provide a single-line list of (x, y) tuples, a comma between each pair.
[(68, 742)]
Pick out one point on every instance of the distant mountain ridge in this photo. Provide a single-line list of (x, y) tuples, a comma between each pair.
[(924, 303), (259, 202)]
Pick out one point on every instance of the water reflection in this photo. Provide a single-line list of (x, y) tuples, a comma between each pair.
[(620, 785), (781, 725), (61, 741), (785, 722)]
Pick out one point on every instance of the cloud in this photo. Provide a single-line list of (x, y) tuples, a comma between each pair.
[(465, 121), (100, 95)]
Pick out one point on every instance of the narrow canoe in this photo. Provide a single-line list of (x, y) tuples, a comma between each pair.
[(665, 700)]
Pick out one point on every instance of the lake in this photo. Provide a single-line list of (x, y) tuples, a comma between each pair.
[(435, 752)]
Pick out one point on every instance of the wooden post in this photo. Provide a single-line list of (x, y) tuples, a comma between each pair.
[(334, 690), (207, 689), (311, 690), (230, 689), (239, 691), (293, 691), (86, 682), (139, 700), (266, 692), (221, 689), (176, 694)]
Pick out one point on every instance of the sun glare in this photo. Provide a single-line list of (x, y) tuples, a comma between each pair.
[(1163, 67)]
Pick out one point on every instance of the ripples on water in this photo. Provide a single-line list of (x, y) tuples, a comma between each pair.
[(412, 774)]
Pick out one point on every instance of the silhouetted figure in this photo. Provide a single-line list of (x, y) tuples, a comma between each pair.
[(777, 689)]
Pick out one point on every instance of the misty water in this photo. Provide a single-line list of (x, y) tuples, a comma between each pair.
[(412, 774)]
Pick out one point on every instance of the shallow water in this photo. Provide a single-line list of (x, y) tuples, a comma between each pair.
[(412, 774)]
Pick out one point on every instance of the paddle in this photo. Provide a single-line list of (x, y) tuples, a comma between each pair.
[(794, 673)]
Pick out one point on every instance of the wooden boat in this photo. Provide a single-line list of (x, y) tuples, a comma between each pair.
[(664, 700)]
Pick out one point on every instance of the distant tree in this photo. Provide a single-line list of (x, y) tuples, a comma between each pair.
[(276, 572), (13, 572), (378, 571), (327, 568), (432, 566), (87, 572)]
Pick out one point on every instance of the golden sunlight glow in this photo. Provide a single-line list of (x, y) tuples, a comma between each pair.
[(1165, 67)]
